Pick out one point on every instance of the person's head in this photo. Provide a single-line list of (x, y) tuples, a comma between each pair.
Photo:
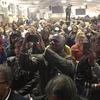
[(17, 49), (21, 28), (65, 28), (57, 42), (61, 87), (14, 37), (32, 30), (74, 28), (5, 80), (82, 24), (80, 37), (45, 34)]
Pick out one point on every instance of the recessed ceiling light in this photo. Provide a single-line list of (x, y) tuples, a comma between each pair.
[(89, 0), (32, 9), (36, 2), (85, 4), (63, 1), (98, 5)]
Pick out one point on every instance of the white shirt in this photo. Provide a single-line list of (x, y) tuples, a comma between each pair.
[(8, 95), (24, 33)]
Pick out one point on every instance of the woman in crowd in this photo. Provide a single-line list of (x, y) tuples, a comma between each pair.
[(77, 48), (2, 51), (72, 35)]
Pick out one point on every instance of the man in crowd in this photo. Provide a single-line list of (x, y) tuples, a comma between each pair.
[(61, 87), (6, 92), (54, 61)]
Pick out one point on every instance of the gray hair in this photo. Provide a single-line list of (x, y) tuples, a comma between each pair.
[(62, 87), (7, 73)]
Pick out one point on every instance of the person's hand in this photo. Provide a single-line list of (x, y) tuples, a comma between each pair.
[(25, 42), (52, 56), (95, 86), (27, 37), (49, 53)]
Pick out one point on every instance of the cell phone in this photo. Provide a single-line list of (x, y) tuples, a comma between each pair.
[(86, 48)]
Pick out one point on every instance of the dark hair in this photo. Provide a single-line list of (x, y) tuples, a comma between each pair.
[(97, 39), (7, 73), (15, 35), (19, 41), (61, 87)]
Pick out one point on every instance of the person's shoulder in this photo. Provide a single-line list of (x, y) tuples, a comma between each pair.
[(37, 57), (15, 96)]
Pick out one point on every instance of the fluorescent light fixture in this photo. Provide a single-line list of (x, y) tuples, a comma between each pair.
[(98, 5), (89, 0), (32, 9), (85, 4), (36, 2), (63, 1)]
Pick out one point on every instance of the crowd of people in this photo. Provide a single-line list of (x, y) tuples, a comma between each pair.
[(50, 59)]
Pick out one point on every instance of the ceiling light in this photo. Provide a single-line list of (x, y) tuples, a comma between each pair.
[(36, 2), (98, 5), (85, 4), (89, 0), (63, 1), (32, 9)]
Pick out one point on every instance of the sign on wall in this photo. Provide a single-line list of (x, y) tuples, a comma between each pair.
[(80, 11)]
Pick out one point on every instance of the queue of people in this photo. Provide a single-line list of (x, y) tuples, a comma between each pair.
[(50, 60)]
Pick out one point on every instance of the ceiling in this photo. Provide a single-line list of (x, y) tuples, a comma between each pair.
[(47, 3)]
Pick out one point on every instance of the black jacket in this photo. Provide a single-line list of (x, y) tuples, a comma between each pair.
[(47, 65), (85, 76), (25, 76), (14, 96)]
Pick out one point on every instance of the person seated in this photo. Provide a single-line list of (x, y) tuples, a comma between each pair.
[(6, 92)]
